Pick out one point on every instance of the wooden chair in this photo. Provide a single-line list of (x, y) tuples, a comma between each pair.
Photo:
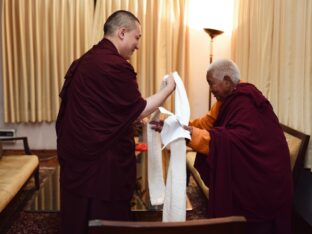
[(297, 144), (226, 225)]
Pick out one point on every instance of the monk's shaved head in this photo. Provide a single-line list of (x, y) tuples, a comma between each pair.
[(120, 19)]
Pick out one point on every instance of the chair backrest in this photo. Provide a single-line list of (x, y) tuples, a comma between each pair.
[(226, 225), (1, 150), (297, 144)]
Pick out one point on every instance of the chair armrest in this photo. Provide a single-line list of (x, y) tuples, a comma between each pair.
[(25, 142)]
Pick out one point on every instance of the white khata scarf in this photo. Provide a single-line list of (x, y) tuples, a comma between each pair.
[(173, 195)]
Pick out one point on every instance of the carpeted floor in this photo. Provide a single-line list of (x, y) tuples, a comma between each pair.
[(18, 221), (26, 222), (35, 223)]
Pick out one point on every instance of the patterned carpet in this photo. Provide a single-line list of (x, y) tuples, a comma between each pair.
[(35, 223), (20, 221), (25, 222)]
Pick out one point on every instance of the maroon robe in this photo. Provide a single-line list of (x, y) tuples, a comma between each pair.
[(248, 166), (95, 145)]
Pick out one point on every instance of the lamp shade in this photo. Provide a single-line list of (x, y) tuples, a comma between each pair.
[(213, 32)]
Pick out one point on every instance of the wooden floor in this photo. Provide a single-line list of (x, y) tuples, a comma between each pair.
[(48, 158)]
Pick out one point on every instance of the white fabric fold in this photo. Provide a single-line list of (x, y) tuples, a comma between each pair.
[(173, 137), (154, 161), (173, 130), (174, 208), (154, 168)]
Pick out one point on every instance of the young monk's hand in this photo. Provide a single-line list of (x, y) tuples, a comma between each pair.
[(157, 125), (170, 83)]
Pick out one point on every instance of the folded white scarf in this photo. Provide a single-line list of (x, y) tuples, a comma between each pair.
[(173, 195)]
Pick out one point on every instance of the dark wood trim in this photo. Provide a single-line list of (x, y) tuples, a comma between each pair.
[(231, 224), (25, 143)]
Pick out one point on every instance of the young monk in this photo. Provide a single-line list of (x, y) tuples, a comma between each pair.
[(95, 138)]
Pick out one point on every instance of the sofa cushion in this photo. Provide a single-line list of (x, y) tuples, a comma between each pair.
[(14, 172)]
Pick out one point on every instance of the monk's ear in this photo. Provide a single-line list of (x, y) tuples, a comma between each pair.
[(121, 33), (228, 81)]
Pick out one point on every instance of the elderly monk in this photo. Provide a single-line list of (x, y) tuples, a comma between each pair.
[(95, 145), (242, 155)]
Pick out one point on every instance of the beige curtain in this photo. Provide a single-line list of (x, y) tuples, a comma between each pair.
[(39, 40), (163, 46), (272, 46)]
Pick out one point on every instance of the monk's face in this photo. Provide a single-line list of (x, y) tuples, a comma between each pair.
[(220, 88), (130, 41)]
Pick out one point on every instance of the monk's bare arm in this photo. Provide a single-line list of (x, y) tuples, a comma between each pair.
[(156, 100)]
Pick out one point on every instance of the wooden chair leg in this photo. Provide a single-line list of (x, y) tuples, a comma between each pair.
[(37, 181)]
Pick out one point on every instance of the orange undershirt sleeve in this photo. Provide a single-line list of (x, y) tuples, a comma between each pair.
[(200, 130)]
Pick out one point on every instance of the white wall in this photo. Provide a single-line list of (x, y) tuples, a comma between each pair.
[(206, 14), (43, 136), (199, 62)]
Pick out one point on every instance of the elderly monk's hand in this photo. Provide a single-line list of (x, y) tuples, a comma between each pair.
[(157, 125), (188, 128)]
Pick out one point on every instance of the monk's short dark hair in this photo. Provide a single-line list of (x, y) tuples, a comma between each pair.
[(118, 19)]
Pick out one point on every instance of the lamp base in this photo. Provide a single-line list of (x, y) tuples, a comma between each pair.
[(212, 33)]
